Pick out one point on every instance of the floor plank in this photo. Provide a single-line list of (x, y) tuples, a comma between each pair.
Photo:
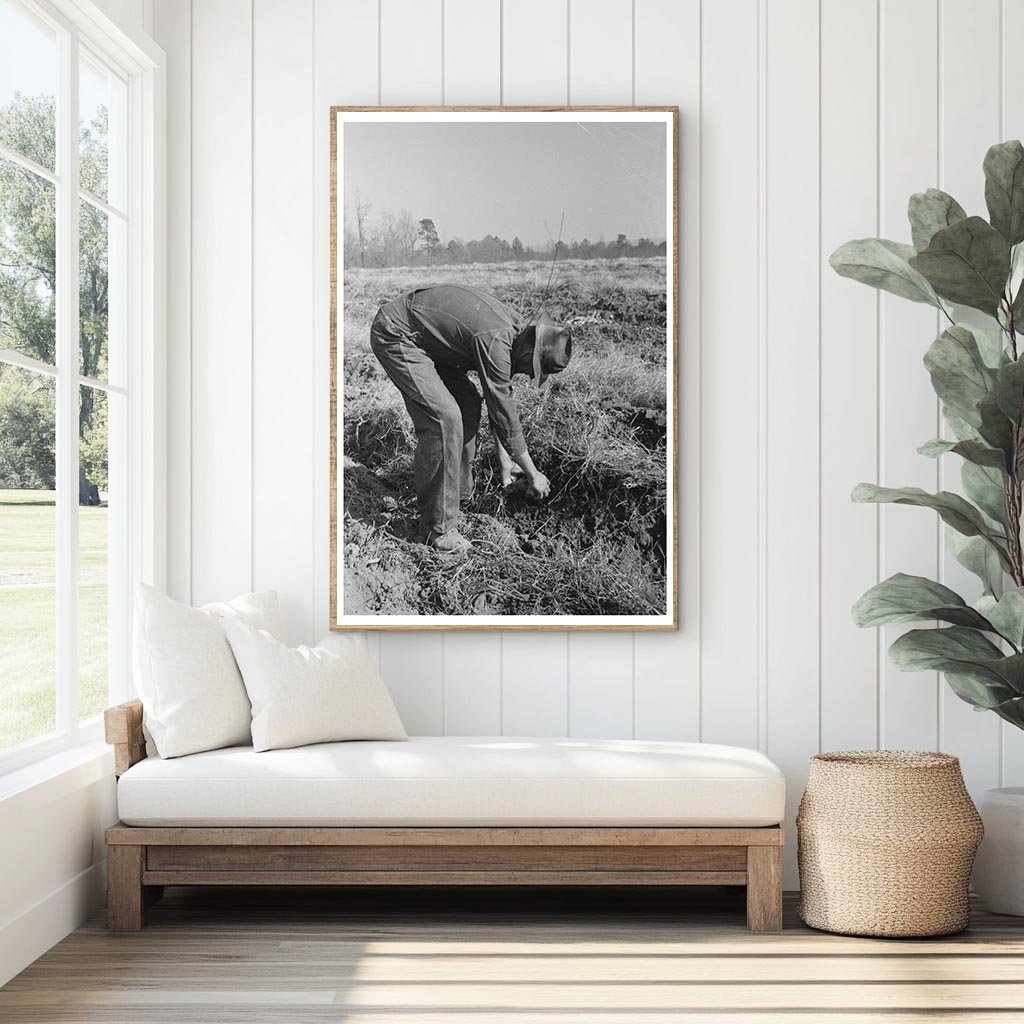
[(497, 956)]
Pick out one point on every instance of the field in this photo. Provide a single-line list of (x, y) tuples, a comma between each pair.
[(597, 546), (28, 523)]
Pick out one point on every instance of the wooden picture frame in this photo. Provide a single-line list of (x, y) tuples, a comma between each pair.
[(342, 620)]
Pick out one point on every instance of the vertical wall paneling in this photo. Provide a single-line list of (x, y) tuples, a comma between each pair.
[(849, 369), (221, 370), (344, 53), (472, 52), (1011, 112), (472, 74), (802, 125), (411, 72), (601, 65), (909, 414), (666, 666), (600, 52), (969, 124), (535, 70), (535, 700), (472, 684), (346, 56), (730, 275), (792, 416), (413, 667), (173, 29), (283, 338), (600, 684), (534, 59), (411, 52)]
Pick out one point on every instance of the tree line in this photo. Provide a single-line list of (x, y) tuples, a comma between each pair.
[(28, 288), (399, 239)]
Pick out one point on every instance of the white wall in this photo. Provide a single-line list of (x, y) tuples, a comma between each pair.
[(130, 15), (53, 862), (804, 123)]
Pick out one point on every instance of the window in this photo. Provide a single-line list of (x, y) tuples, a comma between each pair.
[(76, 337)]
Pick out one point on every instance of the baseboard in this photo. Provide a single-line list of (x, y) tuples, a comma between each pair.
[(26, 937)]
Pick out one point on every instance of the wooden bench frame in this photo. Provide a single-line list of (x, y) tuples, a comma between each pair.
[(142, 860)]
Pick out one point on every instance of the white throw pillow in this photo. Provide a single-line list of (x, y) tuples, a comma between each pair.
[(309, 694), (192, 693)]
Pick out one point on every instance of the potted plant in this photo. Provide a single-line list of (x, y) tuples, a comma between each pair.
[(977, 372)]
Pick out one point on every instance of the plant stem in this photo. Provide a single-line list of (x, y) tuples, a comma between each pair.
[(1012, 497)]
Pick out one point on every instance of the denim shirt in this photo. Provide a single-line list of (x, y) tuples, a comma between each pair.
[(470, 329)]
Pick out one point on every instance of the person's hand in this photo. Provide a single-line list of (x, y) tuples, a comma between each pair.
[(540, 485), (509, 474), (506, 467)]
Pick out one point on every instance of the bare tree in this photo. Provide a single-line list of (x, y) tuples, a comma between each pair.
[(362, 213), (393, 241), (408, 229)]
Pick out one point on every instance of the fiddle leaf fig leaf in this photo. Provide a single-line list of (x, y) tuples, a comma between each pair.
[(1009, 390), (1015, 285), (973, 451), (996, 428), (1011, 711), (1004, 189), (930, 212), (979, 557), (903, 598), (922, 650), (990, 345), (952, 509), (883, 264), (967, 263), (962, 430), (958, 371), (963, 652), (1006, 614), (984, 486), (1017, 308), (982, 693)]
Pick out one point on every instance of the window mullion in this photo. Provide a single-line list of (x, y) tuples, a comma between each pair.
[(67, 386)]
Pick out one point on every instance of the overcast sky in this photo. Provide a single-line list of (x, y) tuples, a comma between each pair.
[(507, 178)]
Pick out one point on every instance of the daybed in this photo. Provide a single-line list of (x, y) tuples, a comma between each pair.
[(444, 811)]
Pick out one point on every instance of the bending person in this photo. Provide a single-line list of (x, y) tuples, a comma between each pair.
[(428, 340)]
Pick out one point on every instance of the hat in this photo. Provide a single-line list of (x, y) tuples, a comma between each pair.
[(552, 348)]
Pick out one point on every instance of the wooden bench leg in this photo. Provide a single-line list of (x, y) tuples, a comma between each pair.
[(125, 896), (764, 888)]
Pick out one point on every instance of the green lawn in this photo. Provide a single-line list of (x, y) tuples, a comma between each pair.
[(28, 524)]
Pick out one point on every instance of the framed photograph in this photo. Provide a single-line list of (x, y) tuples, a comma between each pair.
[(503, 368)]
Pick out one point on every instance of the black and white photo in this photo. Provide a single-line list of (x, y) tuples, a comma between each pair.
[(503, 357)]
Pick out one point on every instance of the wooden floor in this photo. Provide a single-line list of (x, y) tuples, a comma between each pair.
[(269, 956)]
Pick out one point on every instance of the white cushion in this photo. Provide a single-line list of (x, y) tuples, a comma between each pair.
[(309, 694), (192, 693), (458, 780)]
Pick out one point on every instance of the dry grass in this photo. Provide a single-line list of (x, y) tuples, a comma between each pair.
[(597, 546)]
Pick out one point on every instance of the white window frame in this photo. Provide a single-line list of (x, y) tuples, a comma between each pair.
[(140, 64)]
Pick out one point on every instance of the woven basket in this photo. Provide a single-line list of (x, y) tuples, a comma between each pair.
[(886, 840)]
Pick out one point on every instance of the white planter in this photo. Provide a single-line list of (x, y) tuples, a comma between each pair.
[(999, 867)]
